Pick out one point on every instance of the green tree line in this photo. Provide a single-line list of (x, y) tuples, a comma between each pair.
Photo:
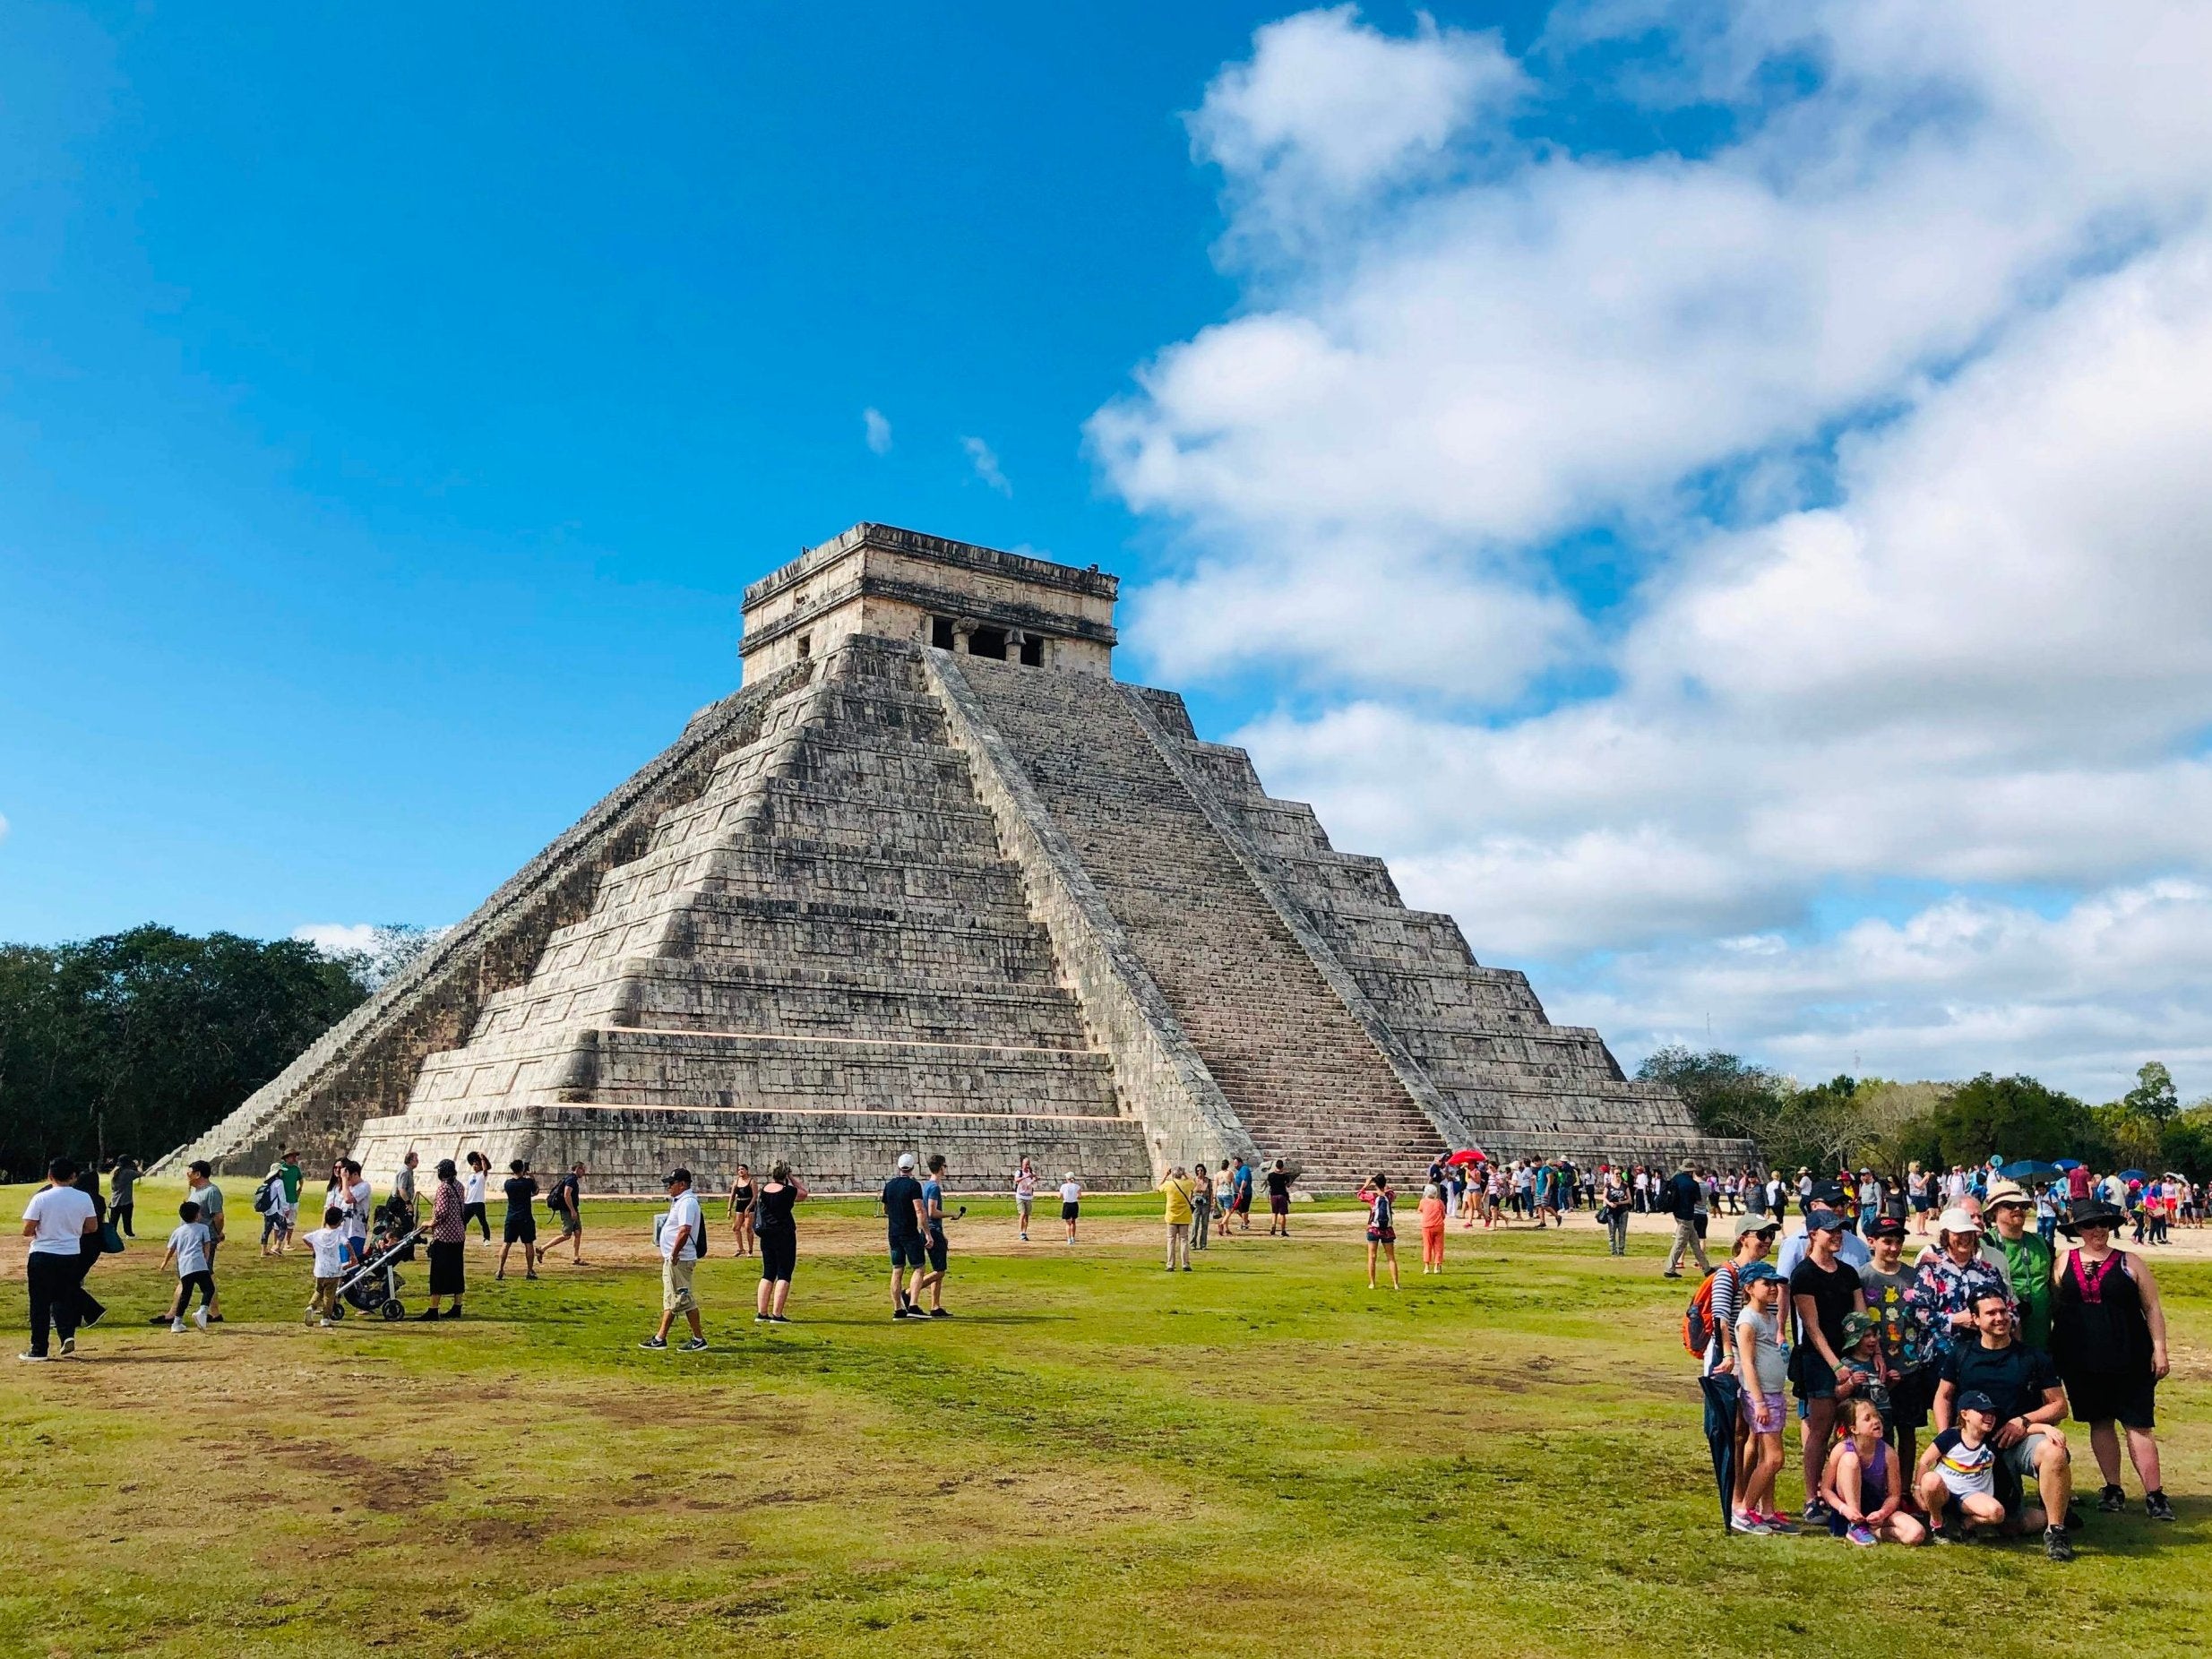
[(138, 1041), (1888, 1126)]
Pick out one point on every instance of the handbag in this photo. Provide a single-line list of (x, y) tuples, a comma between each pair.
[(110, 1239)]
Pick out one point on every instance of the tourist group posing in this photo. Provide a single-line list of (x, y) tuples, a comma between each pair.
[(1986, 1337)]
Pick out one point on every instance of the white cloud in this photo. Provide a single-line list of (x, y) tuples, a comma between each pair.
[(985, 460), (877, 430), (340, 938), (3, 827), (1897, 402)]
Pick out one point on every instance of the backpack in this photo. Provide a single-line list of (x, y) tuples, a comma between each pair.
[(1662, 1198), (265, 1196), (1697, 1319)]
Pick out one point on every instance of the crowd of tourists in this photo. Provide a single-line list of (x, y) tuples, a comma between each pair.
[(1937, 1304), (1871, 1329)]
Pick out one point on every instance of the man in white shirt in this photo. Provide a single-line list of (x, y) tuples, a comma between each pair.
[(55, 1221), (680, 1229)]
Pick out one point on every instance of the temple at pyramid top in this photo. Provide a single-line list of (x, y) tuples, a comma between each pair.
[(895, 584)]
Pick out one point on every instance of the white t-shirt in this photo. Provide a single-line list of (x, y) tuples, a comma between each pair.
[(61, 1213), (1070, 1191), (190, 1241), (328, 1245), (357, 1210), (472, 1189), (683, 1212)]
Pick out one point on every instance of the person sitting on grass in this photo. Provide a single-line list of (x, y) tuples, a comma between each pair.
[(1863, 1484), (1956, 1477), (1764, 1373), (2022, 1387), (1382, 1204)]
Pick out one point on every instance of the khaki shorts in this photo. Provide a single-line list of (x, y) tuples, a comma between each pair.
[(675, 1285)]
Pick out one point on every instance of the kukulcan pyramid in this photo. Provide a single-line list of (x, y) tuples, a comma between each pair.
[(933, 880)]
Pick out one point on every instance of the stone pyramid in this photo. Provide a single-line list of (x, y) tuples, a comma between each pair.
[(933, 880)]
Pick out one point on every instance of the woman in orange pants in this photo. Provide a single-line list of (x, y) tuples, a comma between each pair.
[(1431, 1230)]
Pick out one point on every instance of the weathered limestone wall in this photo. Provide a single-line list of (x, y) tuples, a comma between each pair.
[(368, 1063)]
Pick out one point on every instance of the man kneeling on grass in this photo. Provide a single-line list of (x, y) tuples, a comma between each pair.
[(2019, 1388)]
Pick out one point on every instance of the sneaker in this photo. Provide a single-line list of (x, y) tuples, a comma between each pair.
[(778, 1319), (176, 1327), (2112, 1501), (1670, 1275), (654, 1342), (160, 1319), (760, 1319), (1862, 1535), (1778, 1522), (946, 1313), (212, 1318), (1943, 1535), (453, 1312), (1745, 1521), (1816, 1514), (36, 1359), (900, 1313), (692, 1345), (2156, 1505), (2056, 1544), (427, 1313), (201, 1318), (69, 1347), (1025, 1238), (324, 1324)]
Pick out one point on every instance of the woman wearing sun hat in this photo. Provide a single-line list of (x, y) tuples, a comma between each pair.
[(2108, 1337)]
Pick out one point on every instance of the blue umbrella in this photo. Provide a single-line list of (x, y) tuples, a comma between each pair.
[(2030, 1169), (2070, 1163), (2133, 1174)]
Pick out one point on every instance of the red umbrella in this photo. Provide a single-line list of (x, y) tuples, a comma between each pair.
[(1474, 1155)]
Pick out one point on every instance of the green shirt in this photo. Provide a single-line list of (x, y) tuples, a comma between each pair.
[(2029, 1259), (289, 1174)]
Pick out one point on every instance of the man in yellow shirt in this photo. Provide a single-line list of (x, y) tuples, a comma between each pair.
[(1180, 1189)]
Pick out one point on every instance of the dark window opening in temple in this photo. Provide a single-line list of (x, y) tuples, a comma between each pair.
[(987, 642), (940, 633), (806, 647), (1033, 652)]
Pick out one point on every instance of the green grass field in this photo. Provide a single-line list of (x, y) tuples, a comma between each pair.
[(1091, 1458)]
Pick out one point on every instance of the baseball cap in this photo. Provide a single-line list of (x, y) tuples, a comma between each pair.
[(1973, 1399), (1824, 1221), (1957, 1220), (1887, 1228), (676, 1175), (906, 1160), (1757, 1271), (1756, 1224)]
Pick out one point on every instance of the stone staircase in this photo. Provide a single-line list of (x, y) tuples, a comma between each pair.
[(1302, 1073), (1524, 1086), (824, 957)]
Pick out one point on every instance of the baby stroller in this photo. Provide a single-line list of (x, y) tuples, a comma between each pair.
[(374, 1286)]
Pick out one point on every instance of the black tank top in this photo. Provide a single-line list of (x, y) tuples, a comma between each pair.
[(2096, 1319), (773, 1210)]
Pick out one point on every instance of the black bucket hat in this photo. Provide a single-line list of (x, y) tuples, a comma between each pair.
[(2092, 1213)]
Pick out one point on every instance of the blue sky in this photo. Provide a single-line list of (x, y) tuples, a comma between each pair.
[(1708, 489)]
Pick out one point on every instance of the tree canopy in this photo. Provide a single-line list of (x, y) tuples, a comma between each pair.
[(138, 1041)]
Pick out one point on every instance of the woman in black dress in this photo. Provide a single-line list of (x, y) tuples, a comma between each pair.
[(779, 1241), (2108, 1337), (90, 1310)]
